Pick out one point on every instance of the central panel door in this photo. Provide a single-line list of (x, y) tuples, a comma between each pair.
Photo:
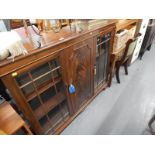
[(78, 72)]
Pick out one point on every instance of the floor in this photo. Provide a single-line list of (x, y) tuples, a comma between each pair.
[(122, 109)]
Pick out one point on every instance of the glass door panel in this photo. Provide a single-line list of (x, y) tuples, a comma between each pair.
[(100, 67)]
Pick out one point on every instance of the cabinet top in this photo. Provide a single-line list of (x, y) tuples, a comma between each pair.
[(50, 38)]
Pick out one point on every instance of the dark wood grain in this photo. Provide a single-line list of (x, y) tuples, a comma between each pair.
[(79, 63)]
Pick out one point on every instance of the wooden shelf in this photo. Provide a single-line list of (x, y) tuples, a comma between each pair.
[(121, 24), (43, 88), (49, 105), (47, 127), (39, 77)]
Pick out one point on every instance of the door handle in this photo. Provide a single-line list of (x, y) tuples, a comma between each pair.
[(94, 69)]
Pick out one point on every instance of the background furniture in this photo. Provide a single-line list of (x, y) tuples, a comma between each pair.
[(10, 121), (17, 23), (64, 22), (124, 60), (116, 54), (142, 30), (151, 123), (148, 39), (39, 81)]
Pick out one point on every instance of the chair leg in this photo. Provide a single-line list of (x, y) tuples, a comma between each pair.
[(117, 73), (149, 48), (150, 123), (126, 67), (110, 80)]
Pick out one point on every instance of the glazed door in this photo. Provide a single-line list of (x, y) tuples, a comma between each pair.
[(78, 72), (42, 93), (102, 43)]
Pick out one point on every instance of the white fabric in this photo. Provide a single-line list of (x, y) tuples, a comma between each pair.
[(10, 43)]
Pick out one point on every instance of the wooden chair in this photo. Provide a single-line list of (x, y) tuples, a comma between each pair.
[(125, 59), (10, 121), (150, 124)]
